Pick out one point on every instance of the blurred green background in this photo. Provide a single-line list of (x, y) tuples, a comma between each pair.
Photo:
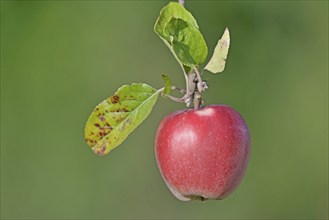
[(61, 58)]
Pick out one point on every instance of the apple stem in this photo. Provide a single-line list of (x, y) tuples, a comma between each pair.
[(199, 87), (197, 100), (200, 84)]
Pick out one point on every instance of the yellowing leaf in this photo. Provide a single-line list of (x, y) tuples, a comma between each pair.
[(116, 117), (218, 59)]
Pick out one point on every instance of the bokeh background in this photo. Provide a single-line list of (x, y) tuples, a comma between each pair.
[(61, 58)]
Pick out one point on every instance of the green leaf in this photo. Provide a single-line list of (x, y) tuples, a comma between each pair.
[(173, 9), (168, 84), (218, 59), (187, 42), (116, 117)]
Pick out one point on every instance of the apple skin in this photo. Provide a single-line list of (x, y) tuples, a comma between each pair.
[(202, 154)]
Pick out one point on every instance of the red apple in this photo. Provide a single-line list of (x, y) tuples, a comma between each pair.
[(202, 154)]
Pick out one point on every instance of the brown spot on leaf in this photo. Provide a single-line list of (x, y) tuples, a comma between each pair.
[(102, 133), (97, 125), (102, 118), (122, 110), (115, 99), (88, 140)]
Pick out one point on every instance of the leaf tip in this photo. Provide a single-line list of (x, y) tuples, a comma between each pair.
[(100, 151)]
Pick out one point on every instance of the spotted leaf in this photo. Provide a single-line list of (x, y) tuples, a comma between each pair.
[(116, 117)]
